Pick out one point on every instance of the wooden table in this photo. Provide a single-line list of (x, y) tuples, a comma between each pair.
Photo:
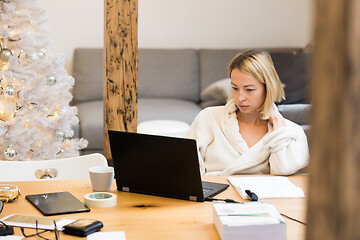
[(158, 218)]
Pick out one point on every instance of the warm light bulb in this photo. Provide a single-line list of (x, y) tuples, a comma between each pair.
[(5, 67)]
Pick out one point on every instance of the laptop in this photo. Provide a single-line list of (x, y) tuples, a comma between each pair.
[(159, 165)]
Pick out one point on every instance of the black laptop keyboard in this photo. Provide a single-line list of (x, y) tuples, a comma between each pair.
[(206, 190)]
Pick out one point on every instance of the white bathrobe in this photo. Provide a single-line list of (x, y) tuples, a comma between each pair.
[(222, 150)]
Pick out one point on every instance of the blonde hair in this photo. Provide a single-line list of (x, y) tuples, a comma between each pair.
[(259, 65)]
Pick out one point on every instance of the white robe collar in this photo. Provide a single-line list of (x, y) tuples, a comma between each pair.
[(248, 157), (231, 127)]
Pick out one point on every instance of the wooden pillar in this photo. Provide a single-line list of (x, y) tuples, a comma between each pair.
[(334, 186), (121, 66)]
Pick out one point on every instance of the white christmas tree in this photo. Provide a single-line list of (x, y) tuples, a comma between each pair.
[(36, 118)]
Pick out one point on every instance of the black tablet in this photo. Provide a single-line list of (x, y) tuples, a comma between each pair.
[(56, 203)]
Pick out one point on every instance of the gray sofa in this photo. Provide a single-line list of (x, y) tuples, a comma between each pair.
[(172, 83)]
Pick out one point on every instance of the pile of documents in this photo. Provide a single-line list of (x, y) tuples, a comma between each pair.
[(250, 220)]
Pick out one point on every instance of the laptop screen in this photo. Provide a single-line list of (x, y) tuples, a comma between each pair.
[(156, 165)]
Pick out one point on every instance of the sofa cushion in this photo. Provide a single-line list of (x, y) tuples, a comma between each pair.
[(292, 70), (163, 73), (169, 73), (214, 65), (167, 109), (91, 123), (297, 113), (219, 91), (88, 74), (290, 64), (91, 115)]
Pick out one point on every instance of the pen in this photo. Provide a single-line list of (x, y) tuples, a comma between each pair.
[(252, 195)]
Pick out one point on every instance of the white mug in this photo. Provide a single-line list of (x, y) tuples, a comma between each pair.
[(101, 177)]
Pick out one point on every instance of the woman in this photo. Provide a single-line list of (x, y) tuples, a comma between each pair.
[(248, 135)]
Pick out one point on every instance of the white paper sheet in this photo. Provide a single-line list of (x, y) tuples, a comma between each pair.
[(250, 213), (27, 221), (267, 187), (107, 236), (12, 237)]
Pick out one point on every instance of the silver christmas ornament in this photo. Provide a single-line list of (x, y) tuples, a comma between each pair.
[(59, 135), (9, 91), (5, 54), (10, 153), (51, 79)]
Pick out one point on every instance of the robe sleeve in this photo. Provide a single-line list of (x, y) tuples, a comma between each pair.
[(288, 149), (201, 134)]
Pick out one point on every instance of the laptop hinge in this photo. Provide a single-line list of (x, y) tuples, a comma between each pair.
[(193, 198), (125, 189)]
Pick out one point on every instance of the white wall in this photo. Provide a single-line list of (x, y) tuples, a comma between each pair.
[(186, 23), (74, 23)]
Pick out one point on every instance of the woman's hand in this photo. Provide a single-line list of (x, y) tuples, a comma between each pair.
[(276, 119)]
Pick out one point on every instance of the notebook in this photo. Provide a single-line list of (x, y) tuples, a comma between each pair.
[(159, 165)]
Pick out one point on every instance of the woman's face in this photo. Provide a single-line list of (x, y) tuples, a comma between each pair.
[(249, 93)]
